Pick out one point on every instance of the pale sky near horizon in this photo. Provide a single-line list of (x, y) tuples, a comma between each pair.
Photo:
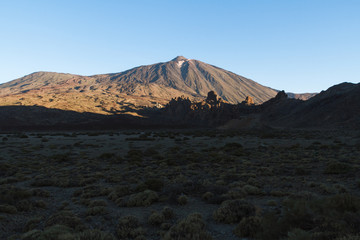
[(296, 46)]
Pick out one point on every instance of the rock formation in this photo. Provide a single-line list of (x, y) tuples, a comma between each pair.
[(249, 101)]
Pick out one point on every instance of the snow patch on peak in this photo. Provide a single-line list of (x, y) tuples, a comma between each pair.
[(180, 63)]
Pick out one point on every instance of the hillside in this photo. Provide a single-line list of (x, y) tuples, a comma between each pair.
[(337, 107), (128, 91)]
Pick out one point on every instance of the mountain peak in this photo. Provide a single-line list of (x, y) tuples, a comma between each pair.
[(179, 58)]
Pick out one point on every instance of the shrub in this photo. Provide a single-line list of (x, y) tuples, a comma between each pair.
[(154, 184), (252, 190), (94, 234), (129, 227), (271, 227), (40, 193), (168, 213), (156, 218), (248, 227), (11, 194), (32, 223), (299, 234), (349, 237), (24, 205), (118, 192), (31, 235), (207, 196), (232, 211), (344, 202), (65, 218), (182, 200), (106, 156), (8, 209), (94, 191), (191, 227), (97, 210), (56, 232), (40, 204), (97, 203), (298, 214), (145, 198), (150, 152), (335, 167)]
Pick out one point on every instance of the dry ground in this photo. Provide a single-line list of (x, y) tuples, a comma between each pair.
[(169, 184)]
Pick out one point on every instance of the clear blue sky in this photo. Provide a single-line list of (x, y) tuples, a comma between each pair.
[(295, 45)]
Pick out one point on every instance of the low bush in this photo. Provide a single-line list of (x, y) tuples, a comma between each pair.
[(156, 218), (64, 218), (94, 234), (192, 227), (168, 213), (145, 198), (336, 167), (182, 199), (248, 227), (8, 209), (233, 211), (129, 228)]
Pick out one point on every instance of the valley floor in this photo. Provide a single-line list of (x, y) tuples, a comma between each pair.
[(185, 184)]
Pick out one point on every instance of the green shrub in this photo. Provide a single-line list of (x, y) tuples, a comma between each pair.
[(298, 214), (182, 199), (168, 213), (252, 190), (97, 210), (11, 194), (232, 211), (335, 167), (93, 191), (129, 228), (24, 205), (248, 227), (344, 202), (8, 209), (118, 192), (31, 235), (207, 196), (40, 204), (299, 234), (271, 227), (64, 218), (56, 232), (192, 227), (94, 234), (325, 218), (97, 203), (156, 218), (32, 223), (154, 184), (106, 156), (145, 198), (349, 237)]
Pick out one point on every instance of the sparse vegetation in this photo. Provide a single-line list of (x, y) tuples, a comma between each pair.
[(283, 186)]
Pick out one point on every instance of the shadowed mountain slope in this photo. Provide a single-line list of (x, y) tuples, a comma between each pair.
[(338, 106)]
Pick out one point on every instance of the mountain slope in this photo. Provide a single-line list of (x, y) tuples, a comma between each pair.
[(192, 77), (338, 106), (125, 92)]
